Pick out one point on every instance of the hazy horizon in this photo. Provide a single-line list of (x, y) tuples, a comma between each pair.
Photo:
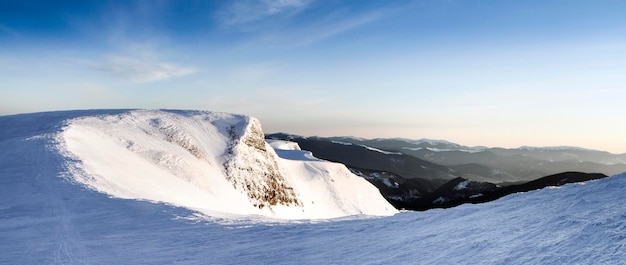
[(490, 73)]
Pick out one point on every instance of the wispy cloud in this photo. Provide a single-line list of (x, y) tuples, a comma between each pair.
[(296, 22), (5, 30), (243, 12), (142, 70), (327, 29)]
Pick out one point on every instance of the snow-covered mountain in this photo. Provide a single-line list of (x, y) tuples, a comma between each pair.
[(403, 143), (214, 163), (48, 219), (45, 220), (549, 153)]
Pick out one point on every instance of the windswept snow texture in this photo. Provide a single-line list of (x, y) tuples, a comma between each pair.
[(215, 163), (47, 219)]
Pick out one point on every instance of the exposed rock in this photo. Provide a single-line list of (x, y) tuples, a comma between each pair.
[(256, 170)]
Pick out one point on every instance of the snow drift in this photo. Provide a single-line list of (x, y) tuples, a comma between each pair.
[(215, 163)]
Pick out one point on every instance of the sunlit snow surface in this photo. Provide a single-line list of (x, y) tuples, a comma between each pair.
[(212, 162), (45, 219)]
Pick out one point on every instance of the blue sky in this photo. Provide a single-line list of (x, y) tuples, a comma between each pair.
[(494, 73)]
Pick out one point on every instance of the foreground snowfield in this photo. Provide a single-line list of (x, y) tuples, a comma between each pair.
[(45, 219)]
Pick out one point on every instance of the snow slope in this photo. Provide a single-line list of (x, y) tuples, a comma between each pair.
[(45, 219), (215, 163)]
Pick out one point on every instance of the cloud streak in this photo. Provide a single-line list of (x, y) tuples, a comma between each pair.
[(294, 23), (7, 31), (243, 12), (322, 31), (141, 70)]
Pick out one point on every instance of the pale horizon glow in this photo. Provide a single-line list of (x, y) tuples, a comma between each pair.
[(488, 73)]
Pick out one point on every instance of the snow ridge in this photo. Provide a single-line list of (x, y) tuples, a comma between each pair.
[(553, 148), (215, 163)]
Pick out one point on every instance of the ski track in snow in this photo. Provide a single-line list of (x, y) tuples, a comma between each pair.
[(47, 219)]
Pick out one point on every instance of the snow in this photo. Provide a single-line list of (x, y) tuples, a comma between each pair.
[(476, 150), (431, 142), (462, 185), (48, 219), (440, 200), (340, 142), (187, 159), (553, 148), (381, 151), (434, 141), (126, 157), (388, 183), (283, 145), (368, 148), (291, 151)]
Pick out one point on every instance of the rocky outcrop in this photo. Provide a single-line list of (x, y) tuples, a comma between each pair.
[(253, 170)]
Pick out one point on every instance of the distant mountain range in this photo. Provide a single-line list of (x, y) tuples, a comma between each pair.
[(448, 153), (413, 174)]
